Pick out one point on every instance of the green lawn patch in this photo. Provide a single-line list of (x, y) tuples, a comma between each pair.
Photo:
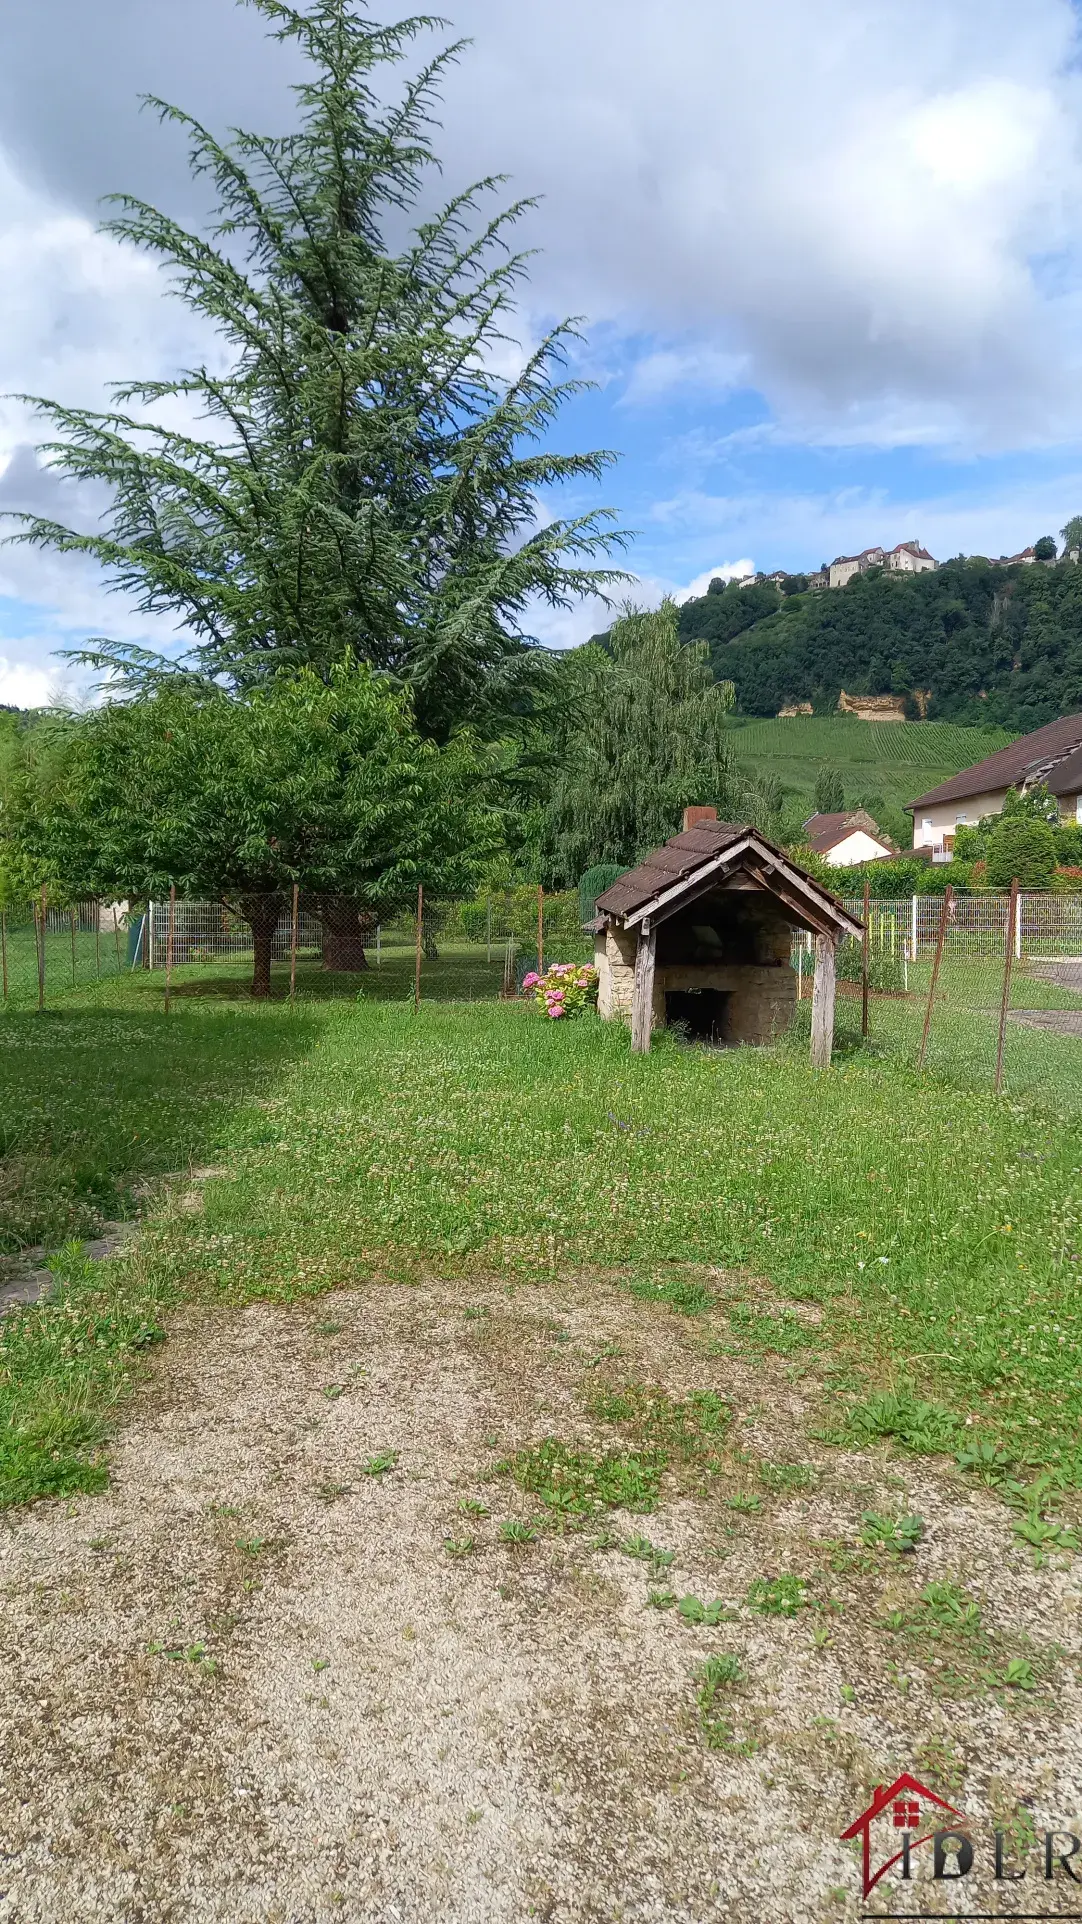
[(939, 1229)]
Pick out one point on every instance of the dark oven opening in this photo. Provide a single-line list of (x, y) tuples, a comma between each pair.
[(702, 1014)]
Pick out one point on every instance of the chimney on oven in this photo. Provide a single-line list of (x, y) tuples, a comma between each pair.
[(693, 816)]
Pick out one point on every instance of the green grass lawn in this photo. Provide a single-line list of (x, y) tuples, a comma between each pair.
[(939, 1228)]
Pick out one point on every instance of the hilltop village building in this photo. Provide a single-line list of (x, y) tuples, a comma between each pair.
[(908, 558)]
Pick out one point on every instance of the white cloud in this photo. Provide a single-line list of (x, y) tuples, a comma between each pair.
[(725, 571), (23, 686)]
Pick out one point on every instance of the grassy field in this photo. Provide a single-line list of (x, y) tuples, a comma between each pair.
[(898, 760), (355, 1139)]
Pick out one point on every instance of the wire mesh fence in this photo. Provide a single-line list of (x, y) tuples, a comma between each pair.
[(928, 983), (940, 992)]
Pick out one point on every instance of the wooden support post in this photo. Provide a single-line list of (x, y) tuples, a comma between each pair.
[(4, 948), (488, 930), (73, 922), (823, 992), (169, 942), (420, 947), (294, 930), (116, 939), (864, 959), (642, 996), (540, 929), (944, 918), (97, 939), (1008, 963)]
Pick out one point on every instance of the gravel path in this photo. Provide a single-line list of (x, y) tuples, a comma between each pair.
[(250, 1683)]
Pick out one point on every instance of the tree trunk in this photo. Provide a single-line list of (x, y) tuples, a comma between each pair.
[(348, 927), (262, 914)]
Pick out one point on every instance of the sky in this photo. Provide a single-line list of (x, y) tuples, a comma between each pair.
[(827, 255)]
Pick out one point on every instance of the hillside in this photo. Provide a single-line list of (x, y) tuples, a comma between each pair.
[(989, 646), (882, 767)]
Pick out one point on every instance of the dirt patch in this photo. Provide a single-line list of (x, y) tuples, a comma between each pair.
[(290, 1667)]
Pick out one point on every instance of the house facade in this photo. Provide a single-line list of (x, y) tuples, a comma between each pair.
[(847, 838), (1051, 755), (907, 558)]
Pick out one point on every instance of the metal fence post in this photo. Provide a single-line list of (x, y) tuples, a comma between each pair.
[(864, 960), (488, 930), (73, 948), (944, 916), (540, 929), (116, 938), (40, 915), (914, 934), (4, 948), (420, 947), (1008, 960), (148, 954), (294, 926), (169, 947)]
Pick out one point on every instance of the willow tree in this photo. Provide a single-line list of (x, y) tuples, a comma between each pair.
[(361, 481), (647, 737)]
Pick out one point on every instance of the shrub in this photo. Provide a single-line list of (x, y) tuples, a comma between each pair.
[(885, 971), (594, 883), (1022, 848), (565, 989)]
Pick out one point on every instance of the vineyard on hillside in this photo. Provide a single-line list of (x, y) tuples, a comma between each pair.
[(896, 760)]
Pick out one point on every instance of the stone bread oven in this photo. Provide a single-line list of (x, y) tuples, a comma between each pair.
[(700, 936)]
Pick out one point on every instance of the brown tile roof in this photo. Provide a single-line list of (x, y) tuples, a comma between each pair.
[(683, 857), (680, 857), (1032, 758), (824, 832)]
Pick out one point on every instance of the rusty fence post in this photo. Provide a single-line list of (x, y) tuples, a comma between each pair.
[(170, 932), (944, 917), (4, 949), (116, 938), (1008, 965), (420, 947), (294, 928), (73, 972), (864, 959), (540, 928)]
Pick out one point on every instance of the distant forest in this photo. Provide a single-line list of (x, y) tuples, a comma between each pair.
[(991, 645)]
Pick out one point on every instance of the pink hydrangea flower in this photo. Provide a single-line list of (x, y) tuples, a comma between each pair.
[(531, 981)]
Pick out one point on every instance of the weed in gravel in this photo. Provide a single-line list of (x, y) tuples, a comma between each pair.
[(459, 1546), (320, 1663), (332, 1391), (770, 1333), (512, 1531), (222, 1509), (986, 1460), (575, 1483), (684, 1294), (662, 1599), (901, 1534), (473, 1506), (330, 1492), (691, 1427), (694, 1610), (475, 1312), (745, 1504), (193, 1653), (329, 1329), (251, 1546), (945, 1631), (644, 1551), (781, 1479), (899, 1416), (380, 1464), (777, 1596), (717, 1675)]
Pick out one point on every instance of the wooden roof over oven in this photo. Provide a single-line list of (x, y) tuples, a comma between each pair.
[(715, 857)]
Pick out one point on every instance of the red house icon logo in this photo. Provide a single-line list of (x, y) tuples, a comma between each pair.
[(896, 1811)]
